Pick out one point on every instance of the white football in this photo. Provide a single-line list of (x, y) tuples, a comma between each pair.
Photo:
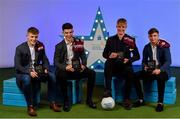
[(108, 103)]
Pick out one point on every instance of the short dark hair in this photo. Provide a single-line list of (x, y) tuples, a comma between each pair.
[(67, 26), (153, 30), (122, 20), (33, 30)]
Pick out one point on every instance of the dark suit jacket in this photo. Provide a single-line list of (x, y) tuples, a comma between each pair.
[(22, 59), (111, 46), (163, 57), (60, 56)]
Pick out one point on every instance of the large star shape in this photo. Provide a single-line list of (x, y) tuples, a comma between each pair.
[(95, 42)]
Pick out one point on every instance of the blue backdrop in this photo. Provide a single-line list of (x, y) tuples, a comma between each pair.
[(48, 15)]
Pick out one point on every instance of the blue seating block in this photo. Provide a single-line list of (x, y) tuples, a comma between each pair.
[(169, 98), (151, 91), (100, 74), (12, 95), (117, 90), (74, 91), (99, 77), (170, 85)]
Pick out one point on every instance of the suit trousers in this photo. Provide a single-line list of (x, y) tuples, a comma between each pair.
[(149, 78), (120, 70), (62, 77), (31, 87)]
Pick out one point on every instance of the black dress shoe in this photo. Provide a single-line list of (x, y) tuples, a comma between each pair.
[(91, 104), (127, 104), (159, 107), (139, 103), (66, 107)]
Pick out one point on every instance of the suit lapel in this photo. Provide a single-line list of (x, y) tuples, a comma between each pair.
[(150, 52), (28, 51), (157, 55)]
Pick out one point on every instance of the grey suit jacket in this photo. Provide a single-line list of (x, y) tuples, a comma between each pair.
[(22, 58), (60, 56)]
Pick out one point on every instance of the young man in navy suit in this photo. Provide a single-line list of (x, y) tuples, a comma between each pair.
[(32, 67), (70, 61), (120, 52), (156, 66)]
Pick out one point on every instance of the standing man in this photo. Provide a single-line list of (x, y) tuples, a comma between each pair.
[(70, 61), (32, 67), (156, 66), (120, 52)]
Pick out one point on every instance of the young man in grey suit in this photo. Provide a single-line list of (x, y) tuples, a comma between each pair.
[(70, 61), (32, 67)]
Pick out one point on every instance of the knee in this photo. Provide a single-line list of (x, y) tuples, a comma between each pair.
[(92, 72), (108, 63), (26, 79)]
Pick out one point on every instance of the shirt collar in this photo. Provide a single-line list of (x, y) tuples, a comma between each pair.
[(67, 43)]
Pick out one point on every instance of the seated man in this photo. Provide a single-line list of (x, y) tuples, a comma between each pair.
[(120, 52), (31, 65), (70, 61), (156, 66)]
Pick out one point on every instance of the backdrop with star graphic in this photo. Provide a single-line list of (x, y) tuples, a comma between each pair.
[(49, 15)]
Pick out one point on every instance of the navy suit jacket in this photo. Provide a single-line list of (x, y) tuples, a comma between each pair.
[(163, 57), (60, 56), (22, 59)]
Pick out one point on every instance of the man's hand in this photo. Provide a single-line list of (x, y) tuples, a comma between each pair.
[(69, 68), (33, 74), (45, 71), (113, 55), (156, 71), (126, 60), (146, 68), (82, 67)]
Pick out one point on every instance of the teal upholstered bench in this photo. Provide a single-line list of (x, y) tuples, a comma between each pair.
[(12, 95), (150, 91), (75, 90)]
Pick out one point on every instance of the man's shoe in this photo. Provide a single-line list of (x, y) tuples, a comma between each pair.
[(91, 104), (54, 107), (31, 111), (127, 104), (66, 107), (138, 103), (159, 107)]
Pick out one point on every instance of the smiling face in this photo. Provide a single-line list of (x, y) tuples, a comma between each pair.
[(121, 28), (68, 34), (153, 38), (32, 35), (32, 38), (153, 35)]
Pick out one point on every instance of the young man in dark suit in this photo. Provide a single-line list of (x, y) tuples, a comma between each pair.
[(70, 61), (120, 52), (32, 66), (156, 66)]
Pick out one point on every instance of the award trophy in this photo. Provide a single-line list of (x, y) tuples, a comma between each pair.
[(76, 64), (151, 65), (120, 56)]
